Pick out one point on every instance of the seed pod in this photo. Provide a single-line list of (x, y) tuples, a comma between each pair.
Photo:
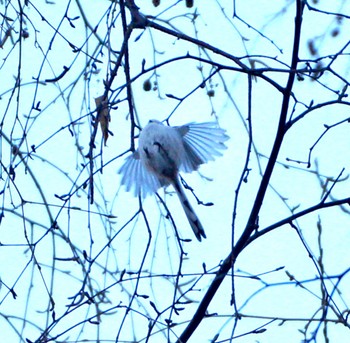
[(147, 85), (335, 32), (312, 48), (211, 93), (189, 3)]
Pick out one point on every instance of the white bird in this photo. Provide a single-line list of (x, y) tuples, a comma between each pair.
[(163, 151)]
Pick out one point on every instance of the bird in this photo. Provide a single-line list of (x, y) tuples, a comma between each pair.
[(163, 152)]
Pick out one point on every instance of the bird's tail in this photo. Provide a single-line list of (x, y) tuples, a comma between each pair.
[(190, 214)]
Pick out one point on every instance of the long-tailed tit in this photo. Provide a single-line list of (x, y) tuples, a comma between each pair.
[(163, 151)]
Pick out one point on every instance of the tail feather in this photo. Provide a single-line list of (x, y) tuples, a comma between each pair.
[(190, 214)]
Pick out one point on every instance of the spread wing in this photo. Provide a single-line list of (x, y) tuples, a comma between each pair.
[(137, 178), (202, 142)]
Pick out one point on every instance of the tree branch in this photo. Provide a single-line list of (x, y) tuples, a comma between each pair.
[(251, 224)]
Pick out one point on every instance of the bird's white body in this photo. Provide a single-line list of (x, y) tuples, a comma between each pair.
[(161, 151)]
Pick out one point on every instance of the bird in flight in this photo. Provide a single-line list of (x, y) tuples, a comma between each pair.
[(163, 151)]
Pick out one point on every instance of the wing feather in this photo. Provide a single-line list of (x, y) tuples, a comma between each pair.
[(137, 178), (202, 143)]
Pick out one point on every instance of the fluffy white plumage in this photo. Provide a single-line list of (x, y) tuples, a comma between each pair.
[(164, 151)]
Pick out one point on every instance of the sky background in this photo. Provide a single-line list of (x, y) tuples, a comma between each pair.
[(49, 123)]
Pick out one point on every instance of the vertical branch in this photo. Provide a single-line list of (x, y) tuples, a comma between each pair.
[(127, 76), (108, 84), (251, 223), (243, 178), (137, 21), (280, 132)]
